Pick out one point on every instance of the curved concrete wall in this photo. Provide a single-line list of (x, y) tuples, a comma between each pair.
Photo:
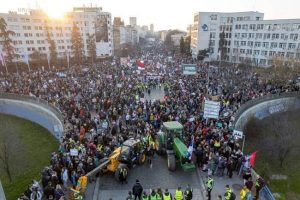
[(35, 112), (266, 106)]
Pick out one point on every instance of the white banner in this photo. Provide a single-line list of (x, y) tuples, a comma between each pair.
[(211, 109), (238, 134)]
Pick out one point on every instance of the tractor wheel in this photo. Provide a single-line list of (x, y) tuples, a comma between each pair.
[(142, 158), (117, 173), (171, 162)]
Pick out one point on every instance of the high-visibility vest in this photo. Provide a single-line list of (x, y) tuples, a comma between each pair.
[(178, 195), (210, 183), (158, 197), (153, 197), (167, 197), (145, 197), (217, 144), (228, 194)]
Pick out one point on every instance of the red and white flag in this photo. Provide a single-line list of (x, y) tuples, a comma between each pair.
[(252, 158), (140, 64)]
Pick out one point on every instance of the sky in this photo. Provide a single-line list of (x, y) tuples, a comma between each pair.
[(164, 14)]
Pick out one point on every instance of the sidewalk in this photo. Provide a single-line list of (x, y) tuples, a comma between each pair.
[(236, 183)]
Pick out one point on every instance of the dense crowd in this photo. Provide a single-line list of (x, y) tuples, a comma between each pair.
[(104, 105)]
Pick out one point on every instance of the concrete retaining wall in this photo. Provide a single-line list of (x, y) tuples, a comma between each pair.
[(33, 110), (266, 106)]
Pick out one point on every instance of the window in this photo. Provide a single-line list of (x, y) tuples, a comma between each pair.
[(266, 44), (250, 43), (264, 53), (260, 26), (252, 26), (256, 52), (273, 45), (257, 44), (267, 36), (249, 51), (244, 35), (243, 43), (259, 35), (282, 45), (292, 46), (236, 43), (272, 53), (236, 35), (242, 51), (245, 27)]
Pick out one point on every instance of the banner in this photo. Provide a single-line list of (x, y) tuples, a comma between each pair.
[(189, 69)]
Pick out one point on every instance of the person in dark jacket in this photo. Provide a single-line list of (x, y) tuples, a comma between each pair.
[(137, 190), (49, 191)]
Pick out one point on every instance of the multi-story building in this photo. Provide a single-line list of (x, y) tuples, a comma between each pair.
[(175, 38), (248, 37), (152, 29), (123, 34), (132, 21), (31, 30)]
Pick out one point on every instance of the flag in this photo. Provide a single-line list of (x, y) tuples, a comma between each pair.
[(190, 148), (140, 64), (252, 159)]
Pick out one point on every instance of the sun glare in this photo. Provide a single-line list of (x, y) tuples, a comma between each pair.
[(55, 13)]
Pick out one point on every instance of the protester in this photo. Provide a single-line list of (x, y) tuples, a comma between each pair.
[(105, 105), (137, 190)]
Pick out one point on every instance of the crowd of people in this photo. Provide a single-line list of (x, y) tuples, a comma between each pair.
[(104, 105)]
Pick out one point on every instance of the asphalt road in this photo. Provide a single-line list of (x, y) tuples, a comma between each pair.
[(156, 177)]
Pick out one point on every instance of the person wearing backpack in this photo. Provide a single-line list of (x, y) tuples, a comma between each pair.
[(229, 195)]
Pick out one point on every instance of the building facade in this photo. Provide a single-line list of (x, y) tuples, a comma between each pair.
[(248, 37), (31, 30), (132, 21)]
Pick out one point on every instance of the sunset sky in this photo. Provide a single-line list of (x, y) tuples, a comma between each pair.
[(164, 14)]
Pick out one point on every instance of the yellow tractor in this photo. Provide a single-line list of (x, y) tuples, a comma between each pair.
[(131, 153)]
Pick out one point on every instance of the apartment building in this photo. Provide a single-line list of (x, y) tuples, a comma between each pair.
[(248, 37), (31, 31)]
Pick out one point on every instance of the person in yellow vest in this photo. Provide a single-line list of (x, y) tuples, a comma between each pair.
[(152, 195), (243, 193), (167, 195), (228, 193), (145, 196), (178, 194), (188, 193), (209, 186), (82, 183)]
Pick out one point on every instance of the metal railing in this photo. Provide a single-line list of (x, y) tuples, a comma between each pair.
[(41, 102)]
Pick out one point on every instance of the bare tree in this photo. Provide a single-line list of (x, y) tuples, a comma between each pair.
[(275, 137)]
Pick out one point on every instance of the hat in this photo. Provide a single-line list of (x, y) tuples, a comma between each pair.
[(137, 181)]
